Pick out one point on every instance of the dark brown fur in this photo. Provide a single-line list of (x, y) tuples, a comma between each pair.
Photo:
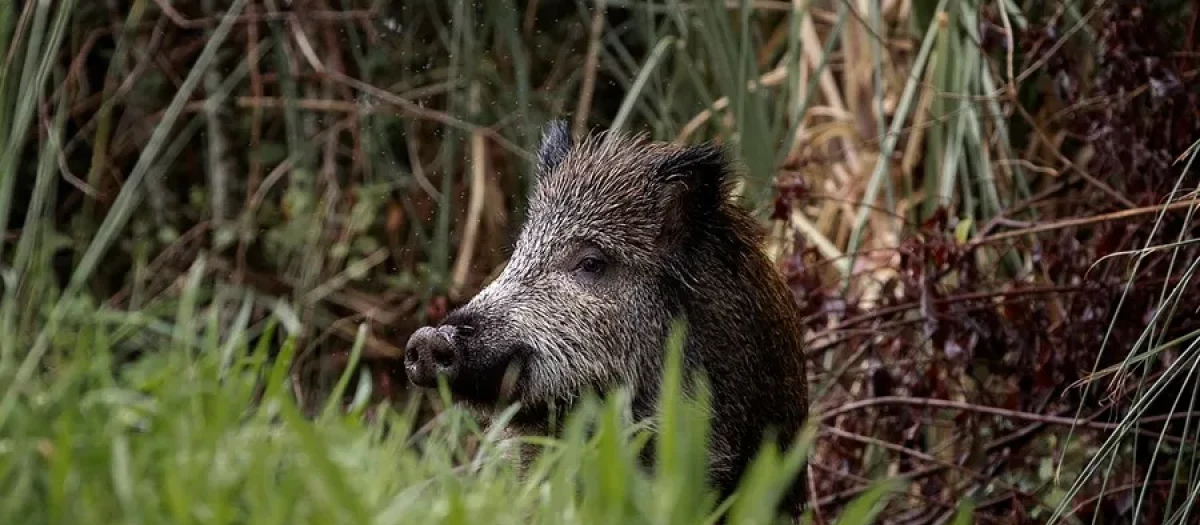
[(672, 244)]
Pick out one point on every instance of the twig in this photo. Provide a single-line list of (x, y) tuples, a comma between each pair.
[(418, 170), (1010, 51), (590, 69), (305, 45), (282, 168), (960, 298), (154, 267), (255, 17), (60, 156), (958, 405), (1081, 221), (414, 110), (216, 138), (530, 16), (978, 476), (1113, 490), (1050, 147), (771, 78), (466, 248)]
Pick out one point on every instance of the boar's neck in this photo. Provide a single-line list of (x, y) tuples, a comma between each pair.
[(744, 333)]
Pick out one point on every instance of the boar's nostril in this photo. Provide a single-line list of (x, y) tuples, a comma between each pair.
[(428, 355)]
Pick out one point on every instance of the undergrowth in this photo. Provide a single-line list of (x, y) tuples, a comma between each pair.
[(207, 430), (220, 215)]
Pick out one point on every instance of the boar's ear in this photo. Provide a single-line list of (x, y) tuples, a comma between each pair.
[(696, 182), (556, 144), (696, 177)]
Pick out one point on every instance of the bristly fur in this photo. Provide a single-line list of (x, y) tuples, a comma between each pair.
[(676, 245), (556, 144)]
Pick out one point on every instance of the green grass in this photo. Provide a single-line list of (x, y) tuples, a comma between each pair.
[(207, 431)]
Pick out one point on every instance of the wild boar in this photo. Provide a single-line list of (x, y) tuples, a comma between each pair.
[(622, 236)]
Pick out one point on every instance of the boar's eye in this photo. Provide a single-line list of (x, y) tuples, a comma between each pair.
[(591, 263)]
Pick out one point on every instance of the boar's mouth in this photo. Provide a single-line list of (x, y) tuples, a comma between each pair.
[(491, 376)]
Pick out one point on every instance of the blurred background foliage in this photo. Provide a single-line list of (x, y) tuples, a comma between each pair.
[(986, 207)]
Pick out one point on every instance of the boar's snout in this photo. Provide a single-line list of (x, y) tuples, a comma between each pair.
[(432, 352), (480, 355)]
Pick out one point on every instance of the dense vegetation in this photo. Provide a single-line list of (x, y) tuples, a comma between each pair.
[(222, 219)]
